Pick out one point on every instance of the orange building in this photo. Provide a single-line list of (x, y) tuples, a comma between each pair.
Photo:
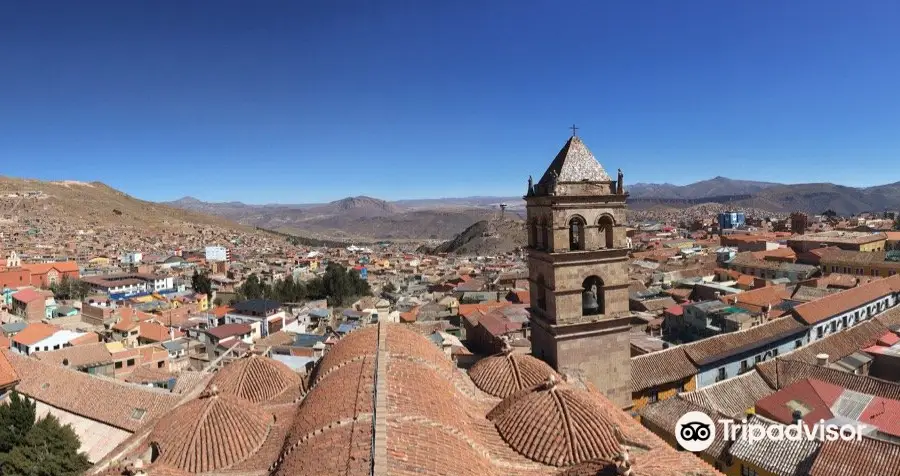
[(14, 278), (45, 274)]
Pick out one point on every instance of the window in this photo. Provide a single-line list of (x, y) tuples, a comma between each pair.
[(874, 272), (844, 320), (159, 365), (654, 397), (681, 387), (747, 471), (798, 344), (820, 331), (138, 413), (744, 366), (721, 374), (833, 326), (118, 365), (129, 362), (758, 359)]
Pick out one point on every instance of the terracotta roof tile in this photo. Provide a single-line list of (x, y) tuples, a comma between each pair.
[(732, 397), (8, 375), (658, 368), (211, 433), (866, 457), (258, 380), (504, 374), (27, 295), (556, 424), (718, 347), (816, 311), (662, 417), (109, 401), (78, 356), (34, 333)]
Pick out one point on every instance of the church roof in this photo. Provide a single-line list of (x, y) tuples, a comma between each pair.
[(556, 424), (504, 374), (210, 433), (259, 380), (575, 163)]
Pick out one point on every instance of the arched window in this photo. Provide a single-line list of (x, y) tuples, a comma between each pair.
[(576, 234), (592, 296), (605, 228), (541, 293)]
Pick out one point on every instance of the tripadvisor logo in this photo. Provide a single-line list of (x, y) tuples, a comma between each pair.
[(696, 431)]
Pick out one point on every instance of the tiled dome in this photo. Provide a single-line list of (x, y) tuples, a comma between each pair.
[(556, 424), (213, 432), (505, 374), (259, 380)]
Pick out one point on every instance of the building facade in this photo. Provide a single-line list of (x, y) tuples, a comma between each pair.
[(578, 271)]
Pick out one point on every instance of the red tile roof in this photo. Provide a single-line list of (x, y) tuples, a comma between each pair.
[(44, 268), (34, 333), (815, 395), (834, 304), (211, 433), (229, 330), (865, 457), (258, 380), (504, 374), (8, 375), (27, 295)]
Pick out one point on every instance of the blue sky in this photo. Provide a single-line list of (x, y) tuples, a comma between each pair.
[(303, 101)]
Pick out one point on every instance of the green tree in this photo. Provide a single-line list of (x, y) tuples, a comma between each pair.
[(49, 449), (16, 419), (201, 283), (252, 288)]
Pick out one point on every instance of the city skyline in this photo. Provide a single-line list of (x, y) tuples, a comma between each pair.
[(311, 103)]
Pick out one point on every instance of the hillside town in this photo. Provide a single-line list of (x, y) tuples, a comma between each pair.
[(242, 352)]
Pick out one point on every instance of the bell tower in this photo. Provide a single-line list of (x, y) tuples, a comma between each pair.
[(578, 271)]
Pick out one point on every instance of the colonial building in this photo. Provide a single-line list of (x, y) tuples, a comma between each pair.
[(578, 271)]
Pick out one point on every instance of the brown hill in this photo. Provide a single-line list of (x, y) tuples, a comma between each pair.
[(85, 205), (486, 237)]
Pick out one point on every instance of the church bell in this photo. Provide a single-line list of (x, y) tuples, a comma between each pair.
[(589, 302)]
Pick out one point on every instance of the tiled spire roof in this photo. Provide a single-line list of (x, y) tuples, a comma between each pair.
[(575, 163), (505, 374), (258, 380), (211, 433)]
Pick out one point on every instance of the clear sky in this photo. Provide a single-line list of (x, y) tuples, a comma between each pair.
[(303, 101)]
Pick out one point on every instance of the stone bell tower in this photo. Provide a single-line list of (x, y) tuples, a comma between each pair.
[(578, 271)]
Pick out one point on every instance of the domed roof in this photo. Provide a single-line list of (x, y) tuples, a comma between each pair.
[(213, 432), (258, 379), (556, 424), (505, 374)]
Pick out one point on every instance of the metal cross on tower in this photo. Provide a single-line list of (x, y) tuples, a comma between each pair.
[(573, 130)]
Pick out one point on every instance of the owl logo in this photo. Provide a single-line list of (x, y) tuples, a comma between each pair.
[(695, 431)]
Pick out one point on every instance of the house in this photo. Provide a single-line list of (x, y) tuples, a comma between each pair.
[(268, 314), (45, 274), (839, 311), (29, 305), (151, 332), (38, 336), (122, 285)]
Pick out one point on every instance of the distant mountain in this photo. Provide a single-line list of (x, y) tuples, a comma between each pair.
[(358, 218), (714, 187), (356, 206), (367, 218)]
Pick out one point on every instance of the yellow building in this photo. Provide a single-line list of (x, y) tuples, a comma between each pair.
[(98, 262), (202, 302), (857, 263), (661, 375)]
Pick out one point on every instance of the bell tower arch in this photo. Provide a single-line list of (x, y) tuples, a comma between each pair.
[(578, 272)]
